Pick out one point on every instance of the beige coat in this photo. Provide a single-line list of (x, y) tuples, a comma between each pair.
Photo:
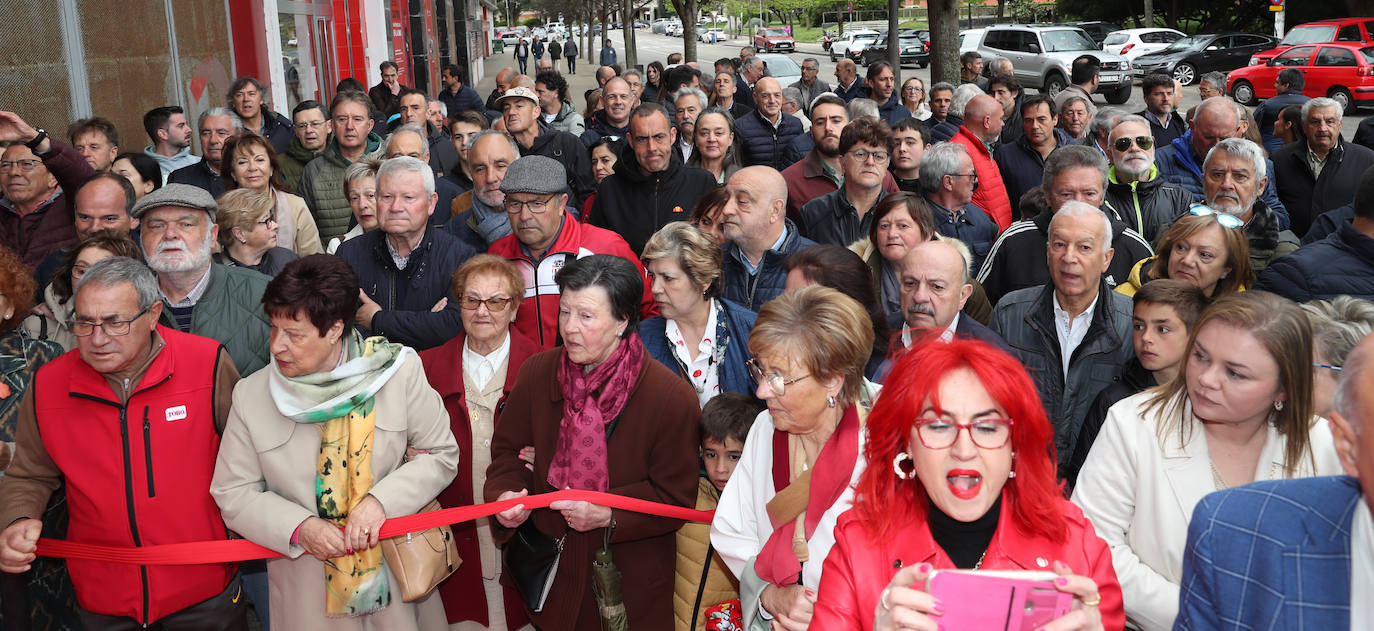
[(265, 486)]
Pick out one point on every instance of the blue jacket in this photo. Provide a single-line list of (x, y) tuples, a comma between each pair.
[(734, 374), (859, 89), (751, 291), (1325, 223), (1178, 166), (1342, 263), (1021, 166), (607, 55), (1268, 112), (1270, 555), (762, 143), (406, 296), (969, 224), (893, 110)]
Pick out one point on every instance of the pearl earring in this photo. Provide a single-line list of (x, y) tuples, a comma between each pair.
[(830, 402)]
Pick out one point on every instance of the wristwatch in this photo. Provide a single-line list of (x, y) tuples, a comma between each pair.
[(37, 140)]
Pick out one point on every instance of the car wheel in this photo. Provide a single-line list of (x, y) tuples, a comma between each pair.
[(1342, 97), (1053, 84), (1120, 95), (1185, 73), (1243, 93), (832, 54)]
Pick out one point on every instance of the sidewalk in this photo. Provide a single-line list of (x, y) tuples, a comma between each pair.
[(584, 80)]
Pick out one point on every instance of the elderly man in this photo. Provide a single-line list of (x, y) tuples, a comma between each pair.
[(38, 176), (171, 135), (820, 171), (246, 98), (848, 84), (1233, 185), (409, 140), (96, 139), (636, 80), (948, 180), (982, 125), (1073, 173), (1165, 123), (844, 215), (751, 71), (1288, 87), (177, 228), (477, 216), (792, 106), (760, 236), (764, 133), (73, 432), (1100, 129), (935, 286), (405, 265), (1320, 174), (311, 127), (810, 84), (545, 238), (505, 78), (321, 182), (521, 113), (1072, 333), (1140, 198), (1300, 550), (910, 140), (613, 119), (688, 104), (1342, 263), (648, 188), (1179, 162), (216, 125), (882, 88), (1022, 162)]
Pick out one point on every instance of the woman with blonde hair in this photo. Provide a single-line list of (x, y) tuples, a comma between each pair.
[(250, 162), (248, 231), (1205, 248)]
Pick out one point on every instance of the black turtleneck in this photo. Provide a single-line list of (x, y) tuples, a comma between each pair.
[(964, 542)]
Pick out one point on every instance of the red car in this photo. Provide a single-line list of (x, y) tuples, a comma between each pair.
[(1321, 32), (767, 40), (1343, 72)]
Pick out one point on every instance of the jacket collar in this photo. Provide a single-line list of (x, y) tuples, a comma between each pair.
[(1040, 315), (1188, 465), (1009, 544), (449, 382), (417, 257), (84, 381), (1357, 242), (627, 167)]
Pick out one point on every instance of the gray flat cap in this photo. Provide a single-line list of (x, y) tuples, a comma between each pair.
[(540, 175), (179, 195)]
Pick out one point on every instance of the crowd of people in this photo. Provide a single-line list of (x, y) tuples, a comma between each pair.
[(884, 332)]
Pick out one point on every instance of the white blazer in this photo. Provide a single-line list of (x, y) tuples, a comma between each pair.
[(1139, 491)]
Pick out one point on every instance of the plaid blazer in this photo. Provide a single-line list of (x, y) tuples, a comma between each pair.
[(1270, 555)]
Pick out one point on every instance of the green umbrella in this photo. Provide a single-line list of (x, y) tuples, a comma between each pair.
[(606, 585)]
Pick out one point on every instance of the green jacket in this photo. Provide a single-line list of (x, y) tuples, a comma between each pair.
[(231, 312), (322, 188), (293, 163)]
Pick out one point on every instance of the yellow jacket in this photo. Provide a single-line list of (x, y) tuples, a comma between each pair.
[(716, 585)]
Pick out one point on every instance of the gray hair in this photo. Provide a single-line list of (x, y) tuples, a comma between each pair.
[(1240, 148), (1076, 208), (702, 101), (409, 128), (220, 111), (1346, 401), (1338, 325), (962, 95), (361, 168), (122, 269), (1001, 65), (1071, 157), (1092, 109), (861, 107), (1107, 118), (750, 62), (814, 61), (515, 148), (407, 164), (793, 96), (1322, 102), (1215, 79), (1212, 103), (633, 73), (941, 159), (443, 107), (962, 248), (943, 85)]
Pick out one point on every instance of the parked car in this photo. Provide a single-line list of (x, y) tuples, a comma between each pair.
[(674, 29), (970, 39), (556, 27), (914, 50), (771, 39), (1343, 72), (1321, 32), (1134, 42), (661, 25), (1098, 31), (781, 67), (852, 44), (1191, 57), (541, 33), (509, 37), (710, 35), (1041, 56)]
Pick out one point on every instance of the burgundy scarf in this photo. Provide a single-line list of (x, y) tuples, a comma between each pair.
[(778, 563), (590, 401)]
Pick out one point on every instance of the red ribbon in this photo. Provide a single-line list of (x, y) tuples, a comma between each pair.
[(197, 552)]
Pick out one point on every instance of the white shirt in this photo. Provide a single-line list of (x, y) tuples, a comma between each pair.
[(686, 149), (704, 371), (480, 368), (1071, 330), (1361, 565), (946, 335)]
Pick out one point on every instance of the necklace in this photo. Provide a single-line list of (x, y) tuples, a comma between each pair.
[(980, 559)]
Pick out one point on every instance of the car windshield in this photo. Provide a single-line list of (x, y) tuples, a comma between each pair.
[(1067, 40), (782, 66), (866, 37), (774, 32), (1186, 43), (1309, 35)]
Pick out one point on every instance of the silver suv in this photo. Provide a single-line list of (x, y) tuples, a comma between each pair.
[(1042, 54)]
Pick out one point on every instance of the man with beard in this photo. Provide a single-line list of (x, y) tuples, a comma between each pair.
[(457, 95), (177, 225), (171, 136), (1234, 179), (882, 88), (554, 107), (613, 119), (524, 122), (1165, 123), (971, 69), (216, 125), (947, 180), (764, 133), (935, 284), (649, 188), (1320, 174), (246, 99), (820, 171), (312, 127), (688, 105), (844, 215), (478, 217), (1022, 163), (1135, 191)]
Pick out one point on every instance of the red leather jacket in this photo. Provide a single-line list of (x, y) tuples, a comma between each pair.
[(858, 568)]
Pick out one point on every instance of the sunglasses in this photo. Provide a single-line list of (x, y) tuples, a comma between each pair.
[(1226, 221), (1124, 143)]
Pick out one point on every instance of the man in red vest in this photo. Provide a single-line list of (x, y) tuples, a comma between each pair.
[(130, 424)]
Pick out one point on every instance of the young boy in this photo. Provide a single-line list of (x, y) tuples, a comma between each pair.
[(703, 581), (1165, 311)]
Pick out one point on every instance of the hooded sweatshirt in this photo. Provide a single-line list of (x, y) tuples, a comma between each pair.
[(183, 158)]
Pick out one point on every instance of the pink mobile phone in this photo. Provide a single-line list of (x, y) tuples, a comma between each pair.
[(997, 600)]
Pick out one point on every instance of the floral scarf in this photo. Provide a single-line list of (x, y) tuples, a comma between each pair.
[(590, 401)]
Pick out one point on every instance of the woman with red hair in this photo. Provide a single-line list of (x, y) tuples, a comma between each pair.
[(961, 475)]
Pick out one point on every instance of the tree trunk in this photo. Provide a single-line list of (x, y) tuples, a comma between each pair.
[(1173, 14), (1149, 14), (627, 22), (689, 42), (944, 40)]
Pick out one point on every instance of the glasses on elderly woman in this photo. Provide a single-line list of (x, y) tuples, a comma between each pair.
[(494, 305), (989, 433), (777, 383), (1226, 221)]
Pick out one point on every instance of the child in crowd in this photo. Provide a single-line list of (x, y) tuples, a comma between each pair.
[(1165, 311), (706, 593)]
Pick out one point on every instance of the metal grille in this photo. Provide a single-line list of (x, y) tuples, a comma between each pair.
[(34, 77)]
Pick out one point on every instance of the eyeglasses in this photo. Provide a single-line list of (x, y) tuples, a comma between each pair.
[(113, 328), (270, 218), (777, 383), (1124, 143), (24, 165), (912, 88), (942, 434), (862, 155), (535, 206), (973, 175), (311, 124), (1226, 221), (1328, 366), (494, 305)]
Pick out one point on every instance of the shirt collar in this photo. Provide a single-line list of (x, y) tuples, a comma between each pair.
[(1059, 311), (483, 367), (196, 293), (946, 335)]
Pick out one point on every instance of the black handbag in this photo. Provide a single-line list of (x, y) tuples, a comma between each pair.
[(531, 559)]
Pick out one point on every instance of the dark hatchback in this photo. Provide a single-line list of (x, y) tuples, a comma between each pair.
[(915, 50), (1191, 57)]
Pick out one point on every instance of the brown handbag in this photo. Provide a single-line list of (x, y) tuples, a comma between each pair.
[(421, 560)]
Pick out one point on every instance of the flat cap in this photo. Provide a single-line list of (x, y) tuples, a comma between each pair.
[(180, 195), (540, 175)]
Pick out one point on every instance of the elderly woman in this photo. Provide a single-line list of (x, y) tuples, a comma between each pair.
[(1206, 248), (700, 336), (1240, 411), (250, 162), (360, 187), (832, 266), (914, 98), (41, 598), (1075, 116), (1337, 326), (474, 373), (706, 214), (713, 144), (314, 457), (55, 323), (248, 232), (142, 171), (962, 477), (809, 348), (601, 416)]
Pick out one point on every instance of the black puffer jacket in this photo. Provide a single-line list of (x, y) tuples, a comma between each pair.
[(635, 205), (569, 151), (1154, 202), (1134, 378), (762, 143), (277, 129), (598, 126), (1340, 264)]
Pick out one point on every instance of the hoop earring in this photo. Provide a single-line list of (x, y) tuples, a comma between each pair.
[(1278, 406), (830, 402), (899, 469)]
